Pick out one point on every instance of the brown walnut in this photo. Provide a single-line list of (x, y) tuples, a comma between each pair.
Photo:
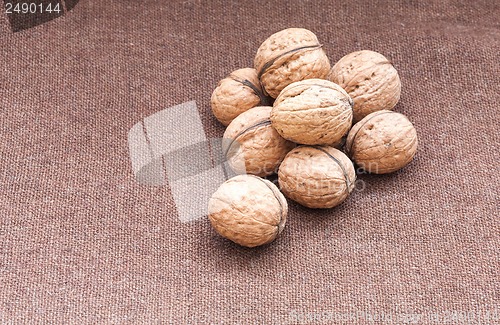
[(288, 56), (248, 210), (370, 79), (236, 94), (252, 146), (382, 142), (317, 176), (312, 111)]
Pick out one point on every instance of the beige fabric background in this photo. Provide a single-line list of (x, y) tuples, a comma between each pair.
[(82, 243)]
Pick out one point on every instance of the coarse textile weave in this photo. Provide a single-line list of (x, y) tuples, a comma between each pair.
[(81, 242)]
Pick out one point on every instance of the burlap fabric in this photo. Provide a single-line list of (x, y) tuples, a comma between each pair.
[(81, 242)]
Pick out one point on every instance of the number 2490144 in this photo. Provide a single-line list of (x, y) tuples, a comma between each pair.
[(31, 8)]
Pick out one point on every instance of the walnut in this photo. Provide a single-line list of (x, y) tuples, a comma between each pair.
[(248, 210), (382, 142), (312, 111), (317, 176), (252, 146), (236, 94), (288, 56), (370, 79)]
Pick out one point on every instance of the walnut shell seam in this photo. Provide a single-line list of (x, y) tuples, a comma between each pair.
[(264, 122), (346, 176), (349, 150), (277, 199), (268, 64), (264, 100), (348, 99)]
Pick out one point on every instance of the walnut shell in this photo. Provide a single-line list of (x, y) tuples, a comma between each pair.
[(236, 94), (370, 79), (288, 56), (248, 210), (312, 111), (382, 142), (317, 176), (252, 146)]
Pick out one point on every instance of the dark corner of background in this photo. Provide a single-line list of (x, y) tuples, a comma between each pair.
[(20, 21)]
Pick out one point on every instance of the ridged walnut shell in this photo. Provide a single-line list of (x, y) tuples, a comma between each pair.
[(317, 176), (312, 111), (252, 146), (236, 94), (248, 210), (288, 56), (370, 79), (382, 142)]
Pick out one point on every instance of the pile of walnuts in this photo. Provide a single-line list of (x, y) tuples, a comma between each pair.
[(294, 115)]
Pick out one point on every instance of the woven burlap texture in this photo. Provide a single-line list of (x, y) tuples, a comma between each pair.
[(82, 242)]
